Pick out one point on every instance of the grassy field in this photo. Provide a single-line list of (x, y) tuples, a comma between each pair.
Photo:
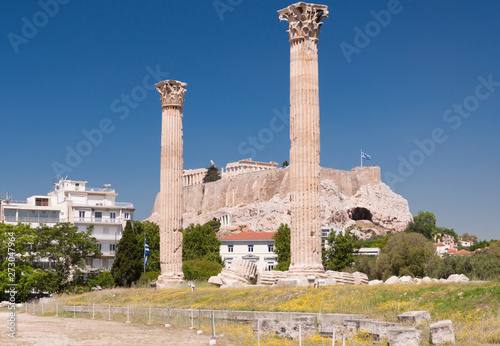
[(474, 308)]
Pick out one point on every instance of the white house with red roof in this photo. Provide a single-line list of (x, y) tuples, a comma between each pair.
[(256, 247)]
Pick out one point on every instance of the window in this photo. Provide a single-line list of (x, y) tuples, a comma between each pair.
[(112, 215), (230, 248), (42, 202), (270, 248), (98, 214), (250, 248), (227, 262), (81, 214), (99, 246), (112, 247), (127, 216)]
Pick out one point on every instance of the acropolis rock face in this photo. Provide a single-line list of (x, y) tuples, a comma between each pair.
[(260, 201)]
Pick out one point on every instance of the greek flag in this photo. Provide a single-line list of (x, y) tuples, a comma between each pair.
[(146, 252), (365, 155)]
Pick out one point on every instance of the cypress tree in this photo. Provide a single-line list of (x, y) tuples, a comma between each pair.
[(128, 266)]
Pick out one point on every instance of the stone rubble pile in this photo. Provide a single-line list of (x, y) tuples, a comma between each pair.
[(242, 273), (454, 278)]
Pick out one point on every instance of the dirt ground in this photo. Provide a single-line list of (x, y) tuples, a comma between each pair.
[(36, 330)]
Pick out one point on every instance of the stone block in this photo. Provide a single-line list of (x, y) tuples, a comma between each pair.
[(377, 329), (392, 280), (442, 332), (457, 278), (360, 278), (403, 336), (375, 282), (287, 329), (407, 280), (287, 283), (215, 280), (426, 280), (414, 316)]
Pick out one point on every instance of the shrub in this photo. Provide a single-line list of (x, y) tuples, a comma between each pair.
[(146, 278), (103, 279), (200, 269)]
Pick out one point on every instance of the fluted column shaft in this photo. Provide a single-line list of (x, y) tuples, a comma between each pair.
[(171, 192), (304, 171), (171, 182)]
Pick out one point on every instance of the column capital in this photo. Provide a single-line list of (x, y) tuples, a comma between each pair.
[(304, 20), (172, 92)]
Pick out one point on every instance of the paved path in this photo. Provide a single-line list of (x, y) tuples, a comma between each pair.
[(37, 330)]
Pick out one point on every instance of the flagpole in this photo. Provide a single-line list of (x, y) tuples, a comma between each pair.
[(144, 256), (361, 157)]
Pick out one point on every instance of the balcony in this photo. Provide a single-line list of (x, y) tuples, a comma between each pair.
[(108, 253), (97, 220), (97, 189), (45, 220), (124, 204)]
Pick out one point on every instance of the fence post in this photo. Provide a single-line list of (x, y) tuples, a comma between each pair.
[(57, 309), (300, 335), (258, 332), (334, 335), (33, 307), (343, 339), (199, 322), (109, 312), (26, 306), (192, 318), (168, 317), (42, 308), (212, 339), (93, 317), (128, 317), (74, 310), (149, 321)]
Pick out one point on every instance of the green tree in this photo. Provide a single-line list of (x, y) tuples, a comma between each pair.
[(214, 224), (282, 247), (200, 242), (424, 223), (285, 164), (340, 249), (152, 233), (213, 174), (45, 258), (376, 241), (468, 237), (407, 254), (128, 265)]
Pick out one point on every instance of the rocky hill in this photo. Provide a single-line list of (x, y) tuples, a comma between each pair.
[(260, 201)]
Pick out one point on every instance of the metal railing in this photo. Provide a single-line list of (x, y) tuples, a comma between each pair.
[(98, 219), (32, 219)]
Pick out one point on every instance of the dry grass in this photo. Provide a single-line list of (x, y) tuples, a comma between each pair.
[(474, 308)]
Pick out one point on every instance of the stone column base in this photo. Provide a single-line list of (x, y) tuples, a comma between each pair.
[(170, 281), (306, 271)]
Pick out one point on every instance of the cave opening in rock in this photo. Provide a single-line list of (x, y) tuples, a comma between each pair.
[(361, 214)]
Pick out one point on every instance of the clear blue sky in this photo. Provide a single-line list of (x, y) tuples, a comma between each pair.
[(86, 65)]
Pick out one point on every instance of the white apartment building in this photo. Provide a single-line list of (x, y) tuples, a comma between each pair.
[(256, 247), (72, 201)]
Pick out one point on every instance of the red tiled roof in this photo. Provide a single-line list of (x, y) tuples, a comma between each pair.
[(439, 244), (463, 252), (452, 251), (250, 236)]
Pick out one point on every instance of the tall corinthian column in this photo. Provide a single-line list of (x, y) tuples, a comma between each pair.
[(305, 186), (171, 202)]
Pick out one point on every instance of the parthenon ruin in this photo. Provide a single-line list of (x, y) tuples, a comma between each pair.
[(233, 169)]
